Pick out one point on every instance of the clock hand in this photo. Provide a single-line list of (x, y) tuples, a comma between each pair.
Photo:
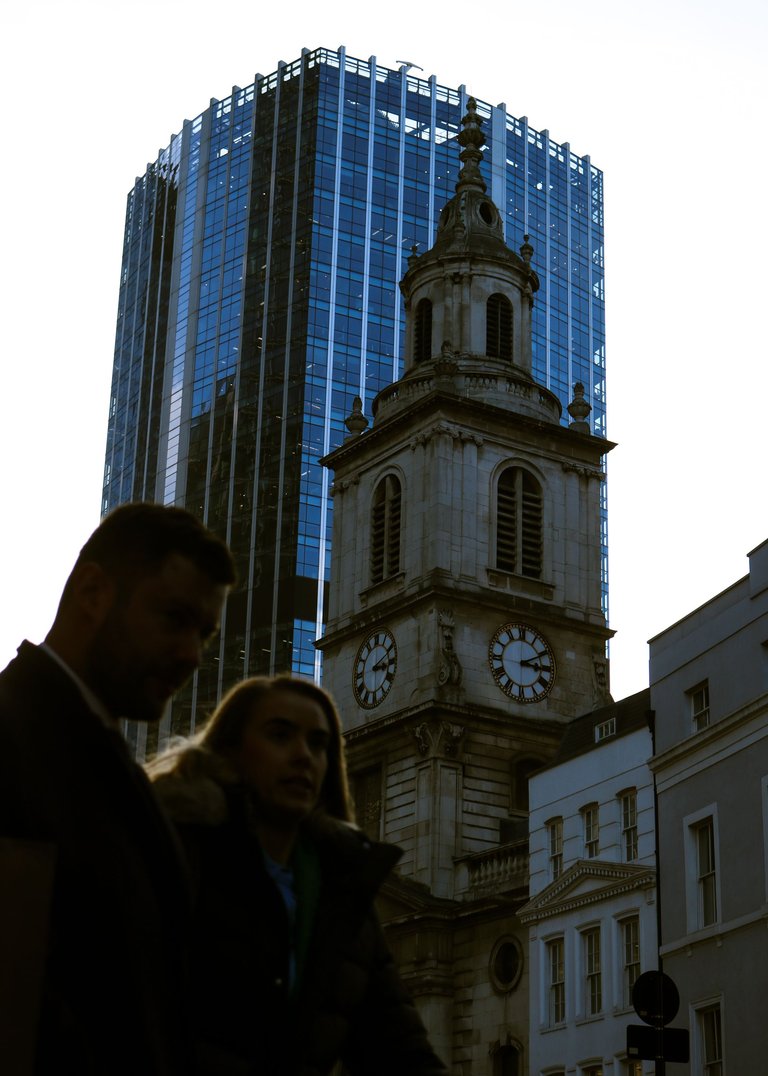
[(535, 662), (382, 664)]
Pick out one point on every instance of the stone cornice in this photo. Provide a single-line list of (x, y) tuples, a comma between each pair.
[(703, 748), (459, 594), (407, 718), (614, 879), (488, 420)]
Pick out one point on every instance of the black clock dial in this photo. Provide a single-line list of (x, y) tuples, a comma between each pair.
[(374, 669), (522, 663)]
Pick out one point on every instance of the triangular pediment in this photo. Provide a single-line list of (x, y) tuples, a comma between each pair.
[(587, 881)]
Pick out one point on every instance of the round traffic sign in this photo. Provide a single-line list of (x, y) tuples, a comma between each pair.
[(655, 998)]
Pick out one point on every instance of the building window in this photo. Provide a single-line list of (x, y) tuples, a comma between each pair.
[(593, 978), (628, 801), (422, 331), (506, 965), (699, 703), (706, 873), (555, 838), (519, 523), (605, 729), (506, 1061), (592, 1070), (632, 1068), (630, 949), (498, 328), (710, 1040), (385, 529), (591, 819), (556, 962)]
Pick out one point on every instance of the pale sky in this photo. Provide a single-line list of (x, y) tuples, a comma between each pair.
[(669, 100)]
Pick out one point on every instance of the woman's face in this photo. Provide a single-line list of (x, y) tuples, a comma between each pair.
[(283, 756)]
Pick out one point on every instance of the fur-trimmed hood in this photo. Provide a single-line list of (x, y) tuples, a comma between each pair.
[(195, 791), (204, 790)]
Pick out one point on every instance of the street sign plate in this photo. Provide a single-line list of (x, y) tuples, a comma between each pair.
[(657, 1043)]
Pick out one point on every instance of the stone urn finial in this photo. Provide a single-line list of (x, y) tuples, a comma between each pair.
[(356, 421), (578, 409)]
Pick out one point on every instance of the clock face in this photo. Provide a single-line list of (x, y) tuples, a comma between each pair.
[(522, 663), (374, 669)]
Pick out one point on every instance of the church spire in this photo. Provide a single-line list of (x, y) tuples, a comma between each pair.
[(468, 298)]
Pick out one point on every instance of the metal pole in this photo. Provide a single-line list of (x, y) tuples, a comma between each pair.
[(660, 1066)]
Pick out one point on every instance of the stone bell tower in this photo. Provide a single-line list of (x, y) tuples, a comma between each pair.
[(465, 622)]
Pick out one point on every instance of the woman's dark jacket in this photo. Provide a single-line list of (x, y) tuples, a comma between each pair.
[(349, 1003)]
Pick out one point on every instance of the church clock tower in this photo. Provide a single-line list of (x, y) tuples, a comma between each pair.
[(465, 622)]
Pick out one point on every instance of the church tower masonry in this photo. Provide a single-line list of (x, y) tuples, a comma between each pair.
[(465, 622)]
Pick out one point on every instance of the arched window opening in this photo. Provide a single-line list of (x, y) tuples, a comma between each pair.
[(498, 328), (422, 331), (519, 523), (506, 1061), (385, 529)]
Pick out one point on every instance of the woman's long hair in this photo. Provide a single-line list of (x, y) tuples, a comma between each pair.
[(223, 736)]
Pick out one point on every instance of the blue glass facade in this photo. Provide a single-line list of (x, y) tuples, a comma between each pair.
[(259, 295)]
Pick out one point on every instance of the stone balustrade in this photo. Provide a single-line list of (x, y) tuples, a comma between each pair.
[(498, 869)]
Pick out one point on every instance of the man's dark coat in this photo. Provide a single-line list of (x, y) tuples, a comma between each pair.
[(93, 893)]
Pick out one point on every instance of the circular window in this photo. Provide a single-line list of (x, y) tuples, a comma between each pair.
[(506, 964), (486, 212)]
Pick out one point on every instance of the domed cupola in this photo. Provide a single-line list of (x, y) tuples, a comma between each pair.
[(471, 221), (468, 301)]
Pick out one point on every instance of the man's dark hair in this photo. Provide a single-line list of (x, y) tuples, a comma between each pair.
[(134, 541)]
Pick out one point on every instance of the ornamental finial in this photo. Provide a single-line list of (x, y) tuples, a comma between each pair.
[(472, 139), (579, 409)]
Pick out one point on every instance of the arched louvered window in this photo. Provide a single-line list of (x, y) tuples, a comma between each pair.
[(519, 523), (422, 331), (385, 529), (498, 327)]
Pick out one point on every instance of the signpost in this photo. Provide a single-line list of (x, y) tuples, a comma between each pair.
[(656, 1001)]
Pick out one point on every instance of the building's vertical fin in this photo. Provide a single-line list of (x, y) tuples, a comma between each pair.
[(272, 196), (526, 211), (566, 149), (297, 155), (324, 536), (367, 236), (498, 163), (175, 389), (399, 229), (259, 413), (547, 258), (432, 154)]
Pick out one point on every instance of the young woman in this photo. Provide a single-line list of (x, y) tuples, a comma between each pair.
[(288, 960)]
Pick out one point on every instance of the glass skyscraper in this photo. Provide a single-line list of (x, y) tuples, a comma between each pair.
[(259, 295)]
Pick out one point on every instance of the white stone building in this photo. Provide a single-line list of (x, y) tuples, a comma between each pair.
[(592, 907), (709, 691)]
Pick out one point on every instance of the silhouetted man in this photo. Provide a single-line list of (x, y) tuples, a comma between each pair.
[(93, 894)]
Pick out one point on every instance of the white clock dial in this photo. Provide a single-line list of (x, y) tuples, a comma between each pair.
[(374, 669), (522, 663)]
